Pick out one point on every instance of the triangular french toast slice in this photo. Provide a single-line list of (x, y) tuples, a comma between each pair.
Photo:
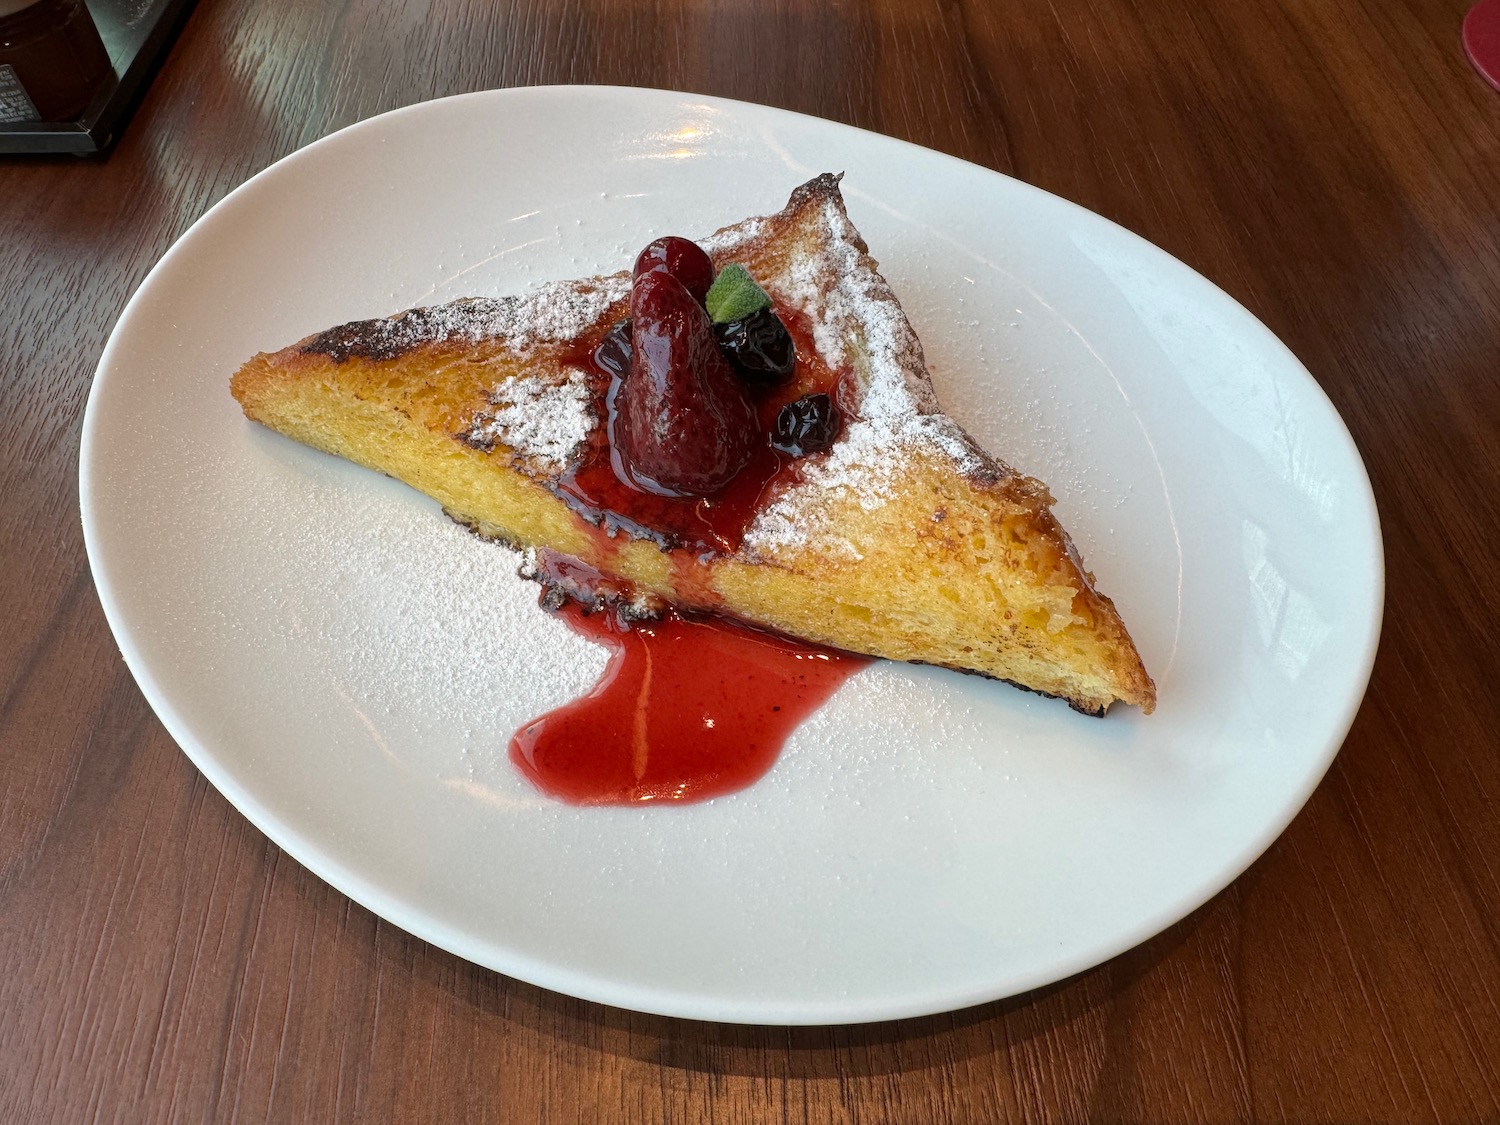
[(903, 540)]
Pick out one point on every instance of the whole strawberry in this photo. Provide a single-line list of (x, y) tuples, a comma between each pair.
[(680, 257), (680, 422)]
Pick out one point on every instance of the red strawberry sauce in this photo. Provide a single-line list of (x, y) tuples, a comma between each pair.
[(687, 709)]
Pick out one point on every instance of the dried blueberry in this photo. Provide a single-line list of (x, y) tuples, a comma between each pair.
[(759, 348), (809, 425)]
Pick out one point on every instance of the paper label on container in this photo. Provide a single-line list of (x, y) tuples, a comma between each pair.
[(15, 103)]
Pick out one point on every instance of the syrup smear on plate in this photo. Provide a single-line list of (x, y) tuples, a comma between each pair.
[(687, 709)]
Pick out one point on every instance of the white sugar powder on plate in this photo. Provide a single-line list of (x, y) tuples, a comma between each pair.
[(413, 620)]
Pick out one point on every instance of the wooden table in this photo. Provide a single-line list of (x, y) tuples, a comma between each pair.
[(1335, 167)]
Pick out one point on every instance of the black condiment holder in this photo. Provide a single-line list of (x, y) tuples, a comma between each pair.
[(136, 34)]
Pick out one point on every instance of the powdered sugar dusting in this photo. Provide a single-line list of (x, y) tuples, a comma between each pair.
[(551, 313), (857, 323), (378, 619), (726, 240), (543, 422), (562, 311)]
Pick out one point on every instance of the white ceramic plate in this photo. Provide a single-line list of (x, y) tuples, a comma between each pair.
[(346, 666)]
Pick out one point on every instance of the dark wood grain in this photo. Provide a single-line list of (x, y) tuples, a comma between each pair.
[(1334, 166)]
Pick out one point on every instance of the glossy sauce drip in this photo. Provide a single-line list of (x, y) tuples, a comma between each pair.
[(687, 709), (701, 527)]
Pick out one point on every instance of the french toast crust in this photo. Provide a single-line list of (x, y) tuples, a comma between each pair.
[(426, 383)]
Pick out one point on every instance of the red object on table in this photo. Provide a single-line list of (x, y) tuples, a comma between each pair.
[(1482, 39)]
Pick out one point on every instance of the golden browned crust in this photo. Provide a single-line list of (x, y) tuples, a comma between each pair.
[(933, 551)]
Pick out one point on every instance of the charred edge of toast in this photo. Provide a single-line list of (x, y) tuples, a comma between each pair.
[(630, 605), (472, 527), (815, 192), (1091, 712), (387, 338)]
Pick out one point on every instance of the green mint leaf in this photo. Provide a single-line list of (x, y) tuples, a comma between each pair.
[(734, 295)]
